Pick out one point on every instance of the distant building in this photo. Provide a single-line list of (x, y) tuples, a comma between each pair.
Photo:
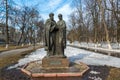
[(14, 34), (11, 32), (2, 31)]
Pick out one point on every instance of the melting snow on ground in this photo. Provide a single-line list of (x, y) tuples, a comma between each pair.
[(74, 55), (91, 58), (94, 72), (37, 55)]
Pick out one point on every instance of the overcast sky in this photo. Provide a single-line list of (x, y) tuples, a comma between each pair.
[(46, 6)]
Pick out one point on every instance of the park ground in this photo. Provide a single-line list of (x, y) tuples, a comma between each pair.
[(106, 72)]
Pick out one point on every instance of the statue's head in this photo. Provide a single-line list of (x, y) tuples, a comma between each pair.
[(51, 15), (60, 16)]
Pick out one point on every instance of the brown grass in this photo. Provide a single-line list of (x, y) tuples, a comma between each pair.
[(4, 61), (114, 74), (7, 60)]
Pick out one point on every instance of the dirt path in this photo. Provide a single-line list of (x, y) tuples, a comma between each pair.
[(16, 51), (12, 56)]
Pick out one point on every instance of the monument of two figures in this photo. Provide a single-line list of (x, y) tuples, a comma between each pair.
[(55, 64), (55, 36), (55, 42)]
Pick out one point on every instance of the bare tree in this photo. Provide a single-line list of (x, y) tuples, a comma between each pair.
[(115, 4), (97, 20), (5, 12), (102, 11), (26, 19), (7, 35)]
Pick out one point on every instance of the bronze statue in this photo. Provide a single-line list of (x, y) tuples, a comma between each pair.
[(55, 36), (61, 36), (50, 35)]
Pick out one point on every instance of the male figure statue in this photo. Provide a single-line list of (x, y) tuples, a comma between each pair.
[(50, 35), (61, 34)]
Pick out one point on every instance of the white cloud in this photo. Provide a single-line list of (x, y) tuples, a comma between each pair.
[(45, 16), (50, 6), (54, 3), (66, 10)]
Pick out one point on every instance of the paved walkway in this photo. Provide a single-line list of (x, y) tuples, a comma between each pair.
[(15, 51), (111, 52)]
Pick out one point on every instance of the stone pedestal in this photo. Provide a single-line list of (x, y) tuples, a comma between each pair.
[(55, 62), (54, 67)]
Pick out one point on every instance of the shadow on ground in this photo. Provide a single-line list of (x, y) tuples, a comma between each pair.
[(78, 57)]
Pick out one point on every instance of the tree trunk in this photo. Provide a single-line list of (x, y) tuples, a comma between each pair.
[(7, 34), (21, 36), (102, 10)]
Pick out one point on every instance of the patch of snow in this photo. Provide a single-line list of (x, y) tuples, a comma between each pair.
[(94, 72), (68, 42), (75, 43), (91, 58), (37, 55), (95, 78), (97, 45), (74, 55)]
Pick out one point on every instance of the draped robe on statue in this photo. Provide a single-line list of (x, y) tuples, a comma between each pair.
[(50, 37), (61, 38)]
